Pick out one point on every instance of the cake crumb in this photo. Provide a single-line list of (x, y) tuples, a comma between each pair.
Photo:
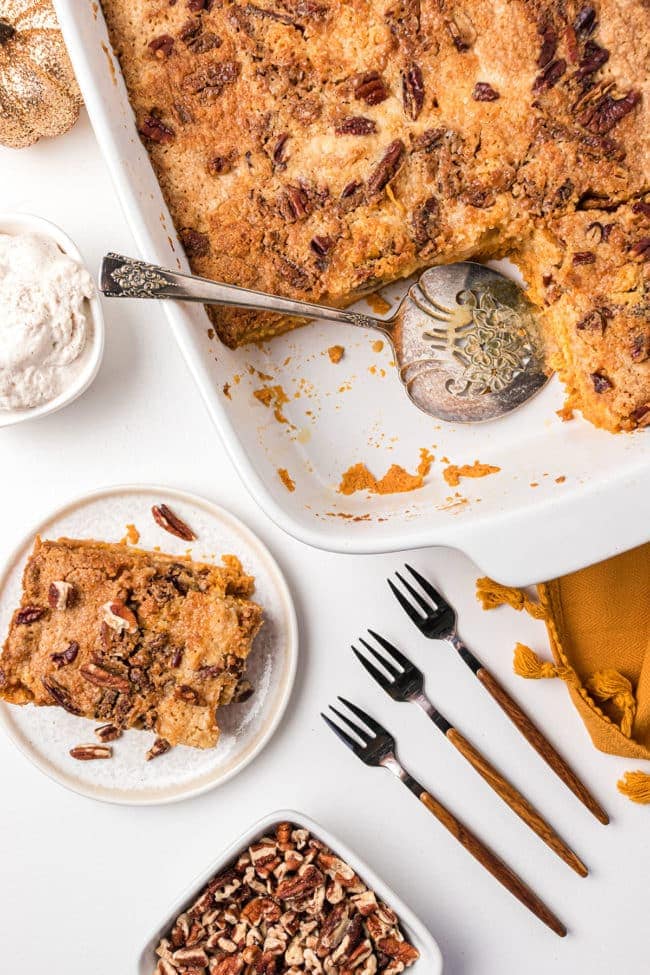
[(226, 390), (534, 483), (273, 397), (286, 479), (453, 473), (211, 334), (396, 480), (132, 536), (378, 345), (566, 413), (336, 353), (561, 479)]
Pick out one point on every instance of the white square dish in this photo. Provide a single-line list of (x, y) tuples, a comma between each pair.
[(566, 495), (430, 961)]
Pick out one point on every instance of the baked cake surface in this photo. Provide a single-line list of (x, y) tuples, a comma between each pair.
[(135, 638), (321, 148)]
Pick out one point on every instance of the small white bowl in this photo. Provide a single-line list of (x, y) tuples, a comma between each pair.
[(430, 961), (91, 357)]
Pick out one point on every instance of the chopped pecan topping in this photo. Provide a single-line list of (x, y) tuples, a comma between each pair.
[(153, 128), (29, 614), (211, 79), (279, 147), (219, 165), (428, 139), (119, 617), (640, 412), (97, 675), (67, 656), (461, 40), (60, 695), (595, 321), (413, 91), (483, 92), (350, 189), (243, 692), (594, 58), (195, 243), (205, 41), (60, 594), (387, 167), (177, 657), (425, 221), (167, 519), (162, 47), (585, 21), (186, 693), (548, 48), (601, 117), (641, 207), (595, 232), (108, 732), (601, 382), (550, 76), (355, 125), (159, 747), (89, 753), (584, 257), (641, 250), (370, 88), (321, 245), (294, 204), (640, 350)]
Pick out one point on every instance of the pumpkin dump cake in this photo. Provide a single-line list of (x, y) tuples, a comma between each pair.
[(134, 638), (321, 148)]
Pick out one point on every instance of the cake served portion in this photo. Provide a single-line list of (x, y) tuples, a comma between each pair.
[(134, 638), (321, 149)]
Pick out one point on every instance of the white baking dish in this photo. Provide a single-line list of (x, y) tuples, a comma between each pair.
[(567, 494), (430, 962)]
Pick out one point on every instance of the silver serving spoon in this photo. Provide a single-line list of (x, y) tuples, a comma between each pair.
[(465, 338)]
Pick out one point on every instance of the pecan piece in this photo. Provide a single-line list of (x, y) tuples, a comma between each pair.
[(548, 48), (161, 47), (212, 78), (584, 257), (641, 249), (370, 88), (29, 614), (204, 42), (413, 91), (183, 692), (640, 350), (425, 221), (60, 594), (294, 204), (195, 244), (100, 677), (401, 951), (608, 111), (89, 753), (641, 207), (60, 695), (278, 149), (243, 692), (387, 167), (355, 125), (601, 382), (166, 518), (191, 957), (595, 57), (219, 165), (595, 320), (159, 747), (107, 732), (321, 245), (640, 412), (483, 92), (307, 880), (119, 617), (585, 21), (153, 128), (550, 76), (350, 189), (67, 656)]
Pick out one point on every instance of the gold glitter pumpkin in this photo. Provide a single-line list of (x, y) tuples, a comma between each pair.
[(38, 91)]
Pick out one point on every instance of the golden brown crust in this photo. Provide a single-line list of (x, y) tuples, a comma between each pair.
[(181, 653), (321, 148)]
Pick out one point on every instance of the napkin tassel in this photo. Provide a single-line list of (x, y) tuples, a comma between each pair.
[(636, 786), (492, 594)]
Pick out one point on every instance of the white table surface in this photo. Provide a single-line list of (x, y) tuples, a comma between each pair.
[(82, 883)]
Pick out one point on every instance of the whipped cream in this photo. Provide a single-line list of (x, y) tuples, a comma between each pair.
[(43, 326)]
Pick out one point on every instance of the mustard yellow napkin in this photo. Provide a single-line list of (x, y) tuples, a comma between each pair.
[(598, 622)]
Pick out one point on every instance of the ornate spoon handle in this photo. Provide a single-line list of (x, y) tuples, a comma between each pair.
[(124, 277)]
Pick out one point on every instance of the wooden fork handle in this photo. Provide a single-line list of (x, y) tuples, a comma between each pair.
[(500, 870), (513, 798), (540, 743)]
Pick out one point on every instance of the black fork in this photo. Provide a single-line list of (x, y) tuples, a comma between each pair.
[(375, 746), (436, 619), (403, 681)]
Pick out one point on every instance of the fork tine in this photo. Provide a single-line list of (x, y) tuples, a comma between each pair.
[(393, 651), (345, 738), (422, 602), (410, 611), (439, 600), (392, 670), (361, 732), (381, 679), (376, 727)]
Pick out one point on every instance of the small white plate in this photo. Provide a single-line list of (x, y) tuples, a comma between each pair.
[(87, 365), (430, 961), (46, 734)]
